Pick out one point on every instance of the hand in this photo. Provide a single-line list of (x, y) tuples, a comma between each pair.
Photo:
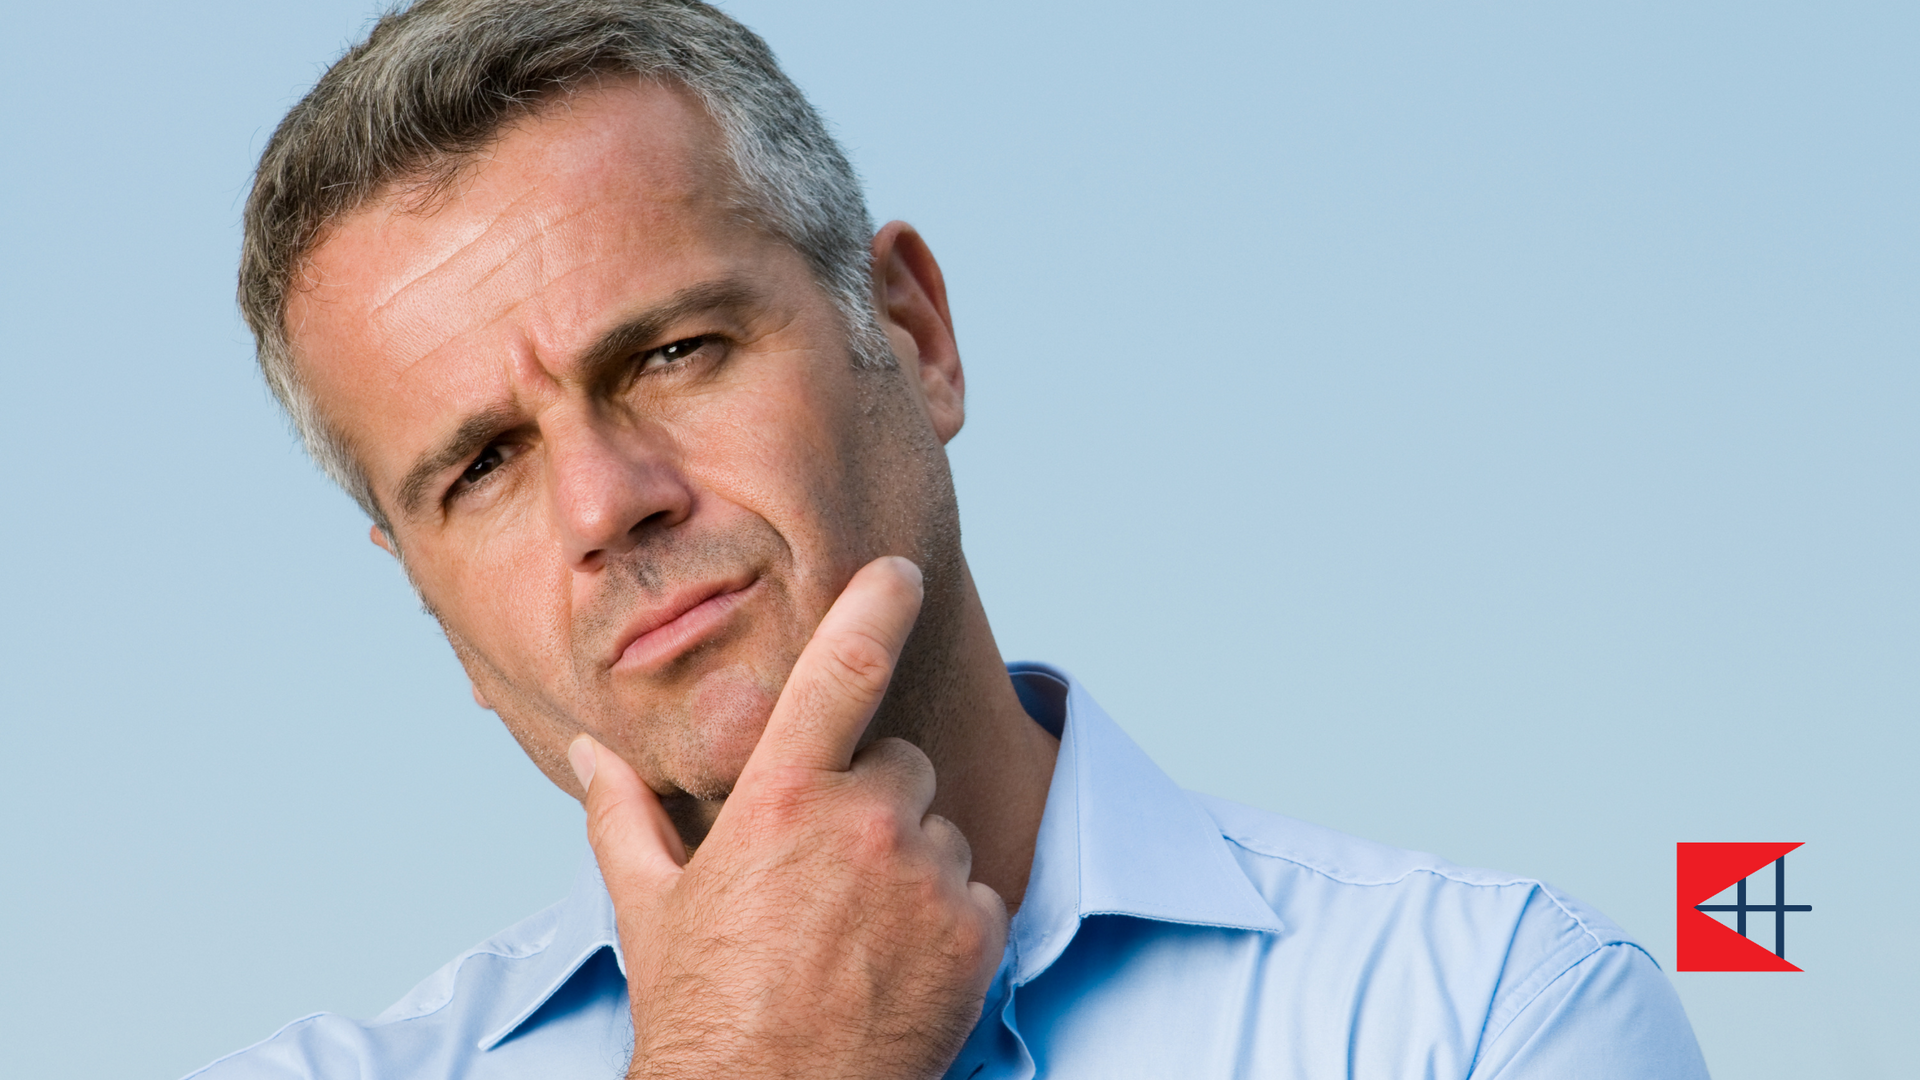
[(826, 926)]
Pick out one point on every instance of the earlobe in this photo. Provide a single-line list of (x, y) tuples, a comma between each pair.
[(380, 539), (479, 698), (911, 296)]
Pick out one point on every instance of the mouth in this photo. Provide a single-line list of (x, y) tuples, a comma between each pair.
[(691, 615)]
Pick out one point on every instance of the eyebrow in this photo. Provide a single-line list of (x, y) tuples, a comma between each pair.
[(473, 434), (605, 361), (603, 364)]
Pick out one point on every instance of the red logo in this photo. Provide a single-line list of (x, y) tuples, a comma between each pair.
[(1707, 944)]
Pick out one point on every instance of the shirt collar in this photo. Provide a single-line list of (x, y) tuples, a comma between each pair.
[(1118, 838), (584, 925)]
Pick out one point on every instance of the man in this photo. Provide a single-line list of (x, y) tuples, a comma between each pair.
[(582, 305)]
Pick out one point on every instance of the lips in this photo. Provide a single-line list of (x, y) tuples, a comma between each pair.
[(693, 613)]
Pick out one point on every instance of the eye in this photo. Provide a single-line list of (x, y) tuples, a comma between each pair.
[(667, 355), (490, 459), (477, 479)]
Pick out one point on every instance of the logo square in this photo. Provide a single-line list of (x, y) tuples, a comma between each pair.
[(1703, 942)]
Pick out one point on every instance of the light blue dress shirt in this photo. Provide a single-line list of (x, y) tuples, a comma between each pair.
[(1164, 934)]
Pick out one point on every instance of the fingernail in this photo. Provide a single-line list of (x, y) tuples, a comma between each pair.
[(914, 567), (580, 756)]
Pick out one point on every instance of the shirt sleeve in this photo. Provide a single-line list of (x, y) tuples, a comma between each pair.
[(1612, 1016)]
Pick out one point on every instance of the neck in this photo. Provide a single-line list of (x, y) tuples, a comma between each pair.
[(952, 697)]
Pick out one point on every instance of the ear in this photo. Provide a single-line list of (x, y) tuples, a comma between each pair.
[(380, 538), (911, 297)]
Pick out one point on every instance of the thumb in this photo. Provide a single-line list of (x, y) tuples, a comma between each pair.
[(635, 843)]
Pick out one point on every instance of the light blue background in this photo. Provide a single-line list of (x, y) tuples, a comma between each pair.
[(1488, 428)]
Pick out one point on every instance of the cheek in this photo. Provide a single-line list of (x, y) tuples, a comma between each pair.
[(767, 454), (768, 433), (512, 602)]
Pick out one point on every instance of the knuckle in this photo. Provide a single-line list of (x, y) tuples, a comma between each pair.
[(949, 840), (901, 763), (785, 799), (783, 784), (971, 938), (598, 834), (874, 836), (858, 663), (603, 822), (904, 754)]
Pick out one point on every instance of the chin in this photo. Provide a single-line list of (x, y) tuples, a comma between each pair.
[(726, 714)]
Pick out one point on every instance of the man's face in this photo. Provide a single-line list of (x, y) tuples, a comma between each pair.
[(618, 432)]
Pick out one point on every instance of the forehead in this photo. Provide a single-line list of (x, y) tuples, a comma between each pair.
[(587, 207)]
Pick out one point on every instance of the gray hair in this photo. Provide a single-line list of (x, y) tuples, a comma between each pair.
[(434, 83)]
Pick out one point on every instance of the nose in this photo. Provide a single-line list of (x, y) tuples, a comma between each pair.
[(611, 485)]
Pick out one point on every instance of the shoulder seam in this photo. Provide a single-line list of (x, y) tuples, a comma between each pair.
[(1542, 887), (1438, 871), (1598, 942)]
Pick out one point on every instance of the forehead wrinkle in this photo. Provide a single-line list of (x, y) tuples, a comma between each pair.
[(670, 189), (532, 241), (524, 362), (528, 245), (534, 310), (421, 324), (516, 238), (485, 237), (522, 369)]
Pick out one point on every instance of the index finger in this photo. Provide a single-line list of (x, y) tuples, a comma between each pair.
[(842, 673)]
